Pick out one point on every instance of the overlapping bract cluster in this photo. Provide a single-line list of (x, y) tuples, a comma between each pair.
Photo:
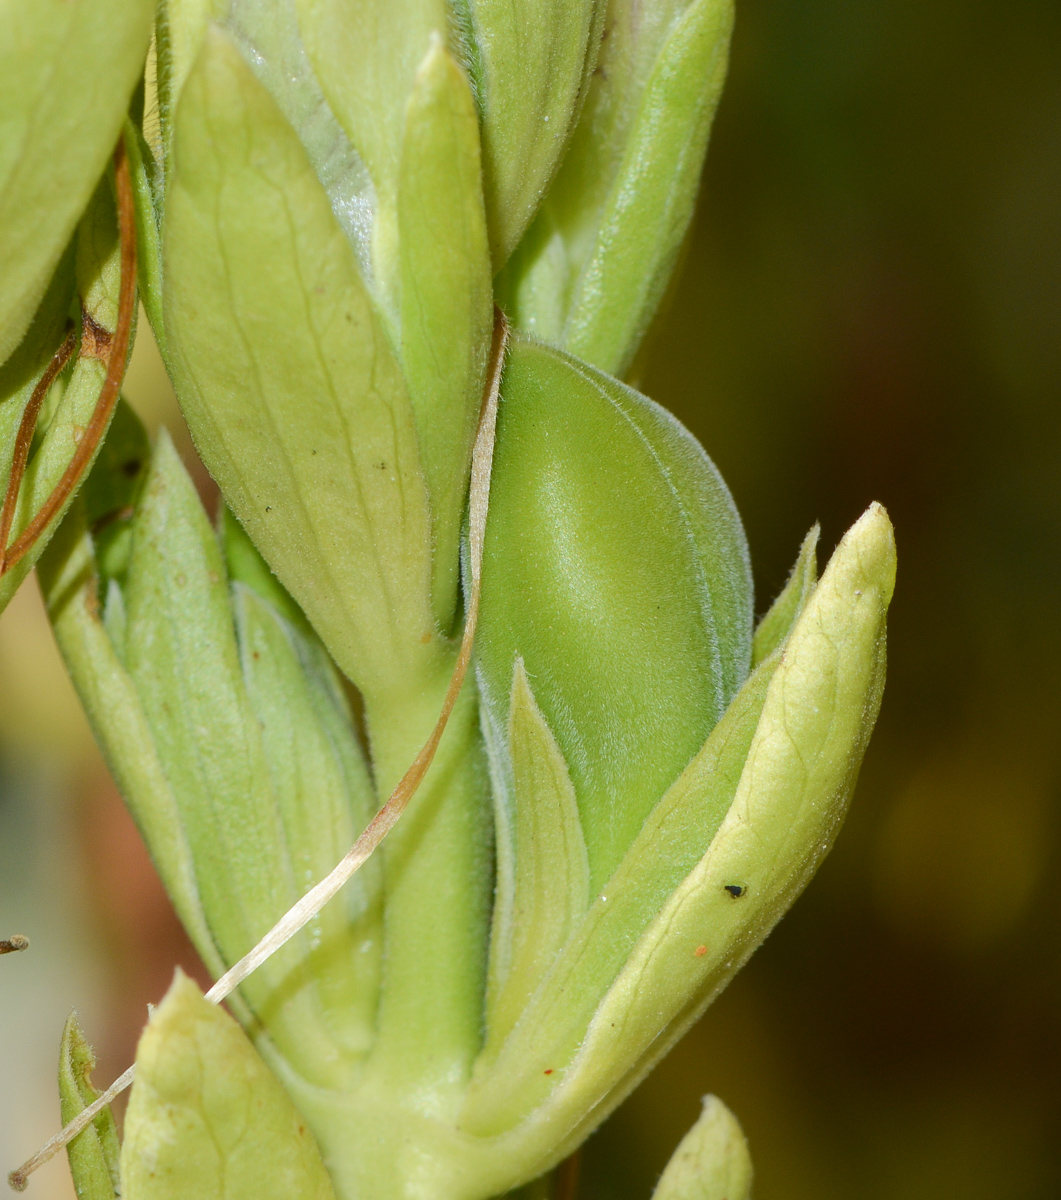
[(636, 785)]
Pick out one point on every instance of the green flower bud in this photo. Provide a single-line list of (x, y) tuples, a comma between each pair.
[(93, 1154), (594, 266), (229, 735), (287, 378), (616, 571), (208, 1118), (532, 62), (67, 70), (712, 1162)]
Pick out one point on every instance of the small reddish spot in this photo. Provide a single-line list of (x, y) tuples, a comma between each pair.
[(549, 1071), (700, 951)]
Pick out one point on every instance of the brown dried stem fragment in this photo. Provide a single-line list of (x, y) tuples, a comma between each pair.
[(92, 346), (13, 944), (25, 437)]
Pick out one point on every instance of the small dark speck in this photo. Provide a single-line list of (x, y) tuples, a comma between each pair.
[(549, 1071), (268, 508), (256, 655), (131, 468), (313, 452), (735, 890), (381, 466)]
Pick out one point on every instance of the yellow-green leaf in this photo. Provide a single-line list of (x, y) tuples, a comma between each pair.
[(207, 1118)]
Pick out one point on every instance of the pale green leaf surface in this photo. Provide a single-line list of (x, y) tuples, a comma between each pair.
[(93, 1154), (181, 653), (615, 566), (793, 794), (641, 227), (67, 69), (271, 42), (325, 798), (531, 59), (148, 239), (110, 700), (712, 1161), (543, 872), (290, 388), (775, 627), (207, 1119), (446, 296), (180, 28)]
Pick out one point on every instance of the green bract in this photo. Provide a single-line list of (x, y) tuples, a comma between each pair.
[(594, 266), (633, 785), (228, 731)]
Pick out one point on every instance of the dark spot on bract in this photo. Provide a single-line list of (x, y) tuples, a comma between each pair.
[(131, 468), (735, 890), (548, 1070)]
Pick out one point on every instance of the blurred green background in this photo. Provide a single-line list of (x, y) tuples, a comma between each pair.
[(871, 309)]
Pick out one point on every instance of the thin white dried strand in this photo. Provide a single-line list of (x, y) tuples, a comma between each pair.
[(20, 1178), (387, 817)]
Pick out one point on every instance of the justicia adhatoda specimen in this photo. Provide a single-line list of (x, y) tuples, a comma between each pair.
[(326, 208)]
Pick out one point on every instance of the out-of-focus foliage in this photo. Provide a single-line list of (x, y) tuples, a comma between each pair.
[(871, 307)]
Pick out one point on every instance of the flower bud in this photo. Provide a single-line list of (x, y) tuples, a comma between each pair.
[(593, 268), (296, 399), (712, 1162), (616, 570), (67, 70)]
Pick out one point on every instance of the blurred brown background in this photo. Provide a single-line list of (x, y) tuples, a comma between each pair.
[(871, 309)]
